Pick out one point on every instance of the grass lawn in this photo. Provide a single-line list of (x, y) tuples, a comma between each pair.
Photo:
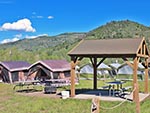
[(11, 102)]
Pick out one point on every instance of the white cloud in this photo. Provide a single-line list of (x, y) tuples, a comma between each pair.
[(30, 37), (16, 38), (10, 40), (20, 25), (35, 36), (39, 17), (50, 17), (33, 13), (20, 36)]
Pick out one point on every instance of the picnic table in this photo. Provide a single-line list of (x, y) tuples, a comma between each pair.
[(112, 85), (25, 85), (58, 82)]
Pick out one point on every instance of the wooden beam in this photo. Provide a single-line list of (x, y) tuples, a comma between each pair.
[(101, 61), (142, 55), (72, 79), (92, 61), (135, 67), (144, 49), (74, 62), (95, 73), (135, 86), (137, 101), (146, 76), (129, 63)]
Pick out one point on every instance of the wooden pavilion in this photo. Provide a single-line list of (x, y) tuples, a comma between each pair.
[(134, 48)]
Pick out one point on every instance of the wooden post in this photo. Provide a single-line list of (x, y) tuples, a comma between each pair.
[(72, 79), (95, 73), (137, 101), (135, 86), (134, 76), (95, 105), (146, 75)]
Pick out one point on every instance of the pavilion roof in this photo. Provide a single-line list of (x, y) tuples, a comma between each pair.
[(128, 47)]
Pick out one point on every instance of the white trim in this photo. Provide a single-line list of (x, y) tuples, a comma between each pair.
[(53, 70)]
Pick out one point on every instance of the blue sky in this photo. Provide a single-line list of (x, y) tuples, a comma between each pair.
[(30, 18)]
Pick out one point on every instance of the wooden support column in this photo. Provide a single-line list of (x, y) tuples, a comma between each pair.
[(95, 73), (74, 62), (135, 66), (146, 75), (72, 79), (95, 65), (136, 86)]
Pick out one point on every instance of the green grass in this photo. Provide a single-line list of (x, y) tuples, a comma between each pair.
[(11, 102)]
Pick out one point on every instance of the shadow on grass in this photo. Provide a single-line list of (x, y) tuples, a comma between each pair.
[(28, 90), (97, 92)]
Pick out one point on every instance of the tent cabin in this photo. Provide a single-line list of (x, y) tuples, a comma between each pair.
[(49, 69), (86, 69), (12, 71), (125, 69), (101, 70), (114, 67)]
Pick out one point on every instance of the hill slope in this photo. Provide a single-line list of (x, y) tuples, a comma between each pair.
[(44, 47), (56, 47), (120, 29)]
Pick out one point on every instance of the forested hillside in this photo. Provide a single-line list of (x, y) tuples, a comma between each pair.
[(57, 47), (120, 29), (40, 48)]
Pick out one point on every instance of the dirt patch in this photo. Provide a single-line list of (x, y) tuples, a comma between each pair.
[(5, 98)]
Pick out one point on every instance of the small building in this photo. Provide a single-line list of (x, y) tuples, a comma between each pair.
[(12, 71), (49, 69)]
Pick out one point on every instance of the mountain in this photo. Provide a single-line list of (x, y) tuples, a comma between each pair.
[(57, 47), (44, 47), (120, 29), (44, 42)]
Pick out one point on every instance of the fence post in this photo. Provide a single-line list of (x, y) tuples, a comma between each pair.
[(95, 105)]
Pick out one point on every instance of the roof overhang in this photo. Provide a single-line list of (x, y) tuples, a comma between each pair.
[(111, 48)]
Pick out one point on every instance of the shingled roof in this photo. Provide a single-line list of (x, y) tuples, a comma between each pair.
[(108, 47), (54, 65), (15, 65)]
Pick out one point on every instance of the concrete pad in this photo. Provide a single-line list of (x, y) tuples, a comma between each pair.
[(101, 95)]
